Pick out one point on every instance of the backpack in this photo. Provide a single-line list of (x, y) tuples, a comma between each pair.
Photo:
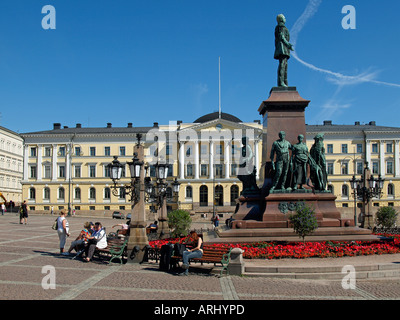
[(54, 226)]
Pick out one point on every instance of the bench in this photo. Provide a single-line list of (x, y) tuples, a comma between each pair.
[(115, 248), (211, 254)]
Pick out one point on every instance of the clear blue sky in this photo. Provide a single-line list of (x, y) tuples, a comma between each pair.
[(151, 61)]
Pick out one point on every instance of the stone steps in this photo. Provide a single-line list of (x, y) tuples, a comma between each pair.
[(378, 271)]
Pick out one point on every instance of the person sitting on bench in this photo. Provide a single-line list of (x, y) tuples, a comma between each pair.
[(196, 252), (97, 240)]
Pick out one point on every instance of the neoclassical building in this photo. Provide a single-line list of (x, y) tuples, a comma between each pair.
[(68, 165), (11, 164)]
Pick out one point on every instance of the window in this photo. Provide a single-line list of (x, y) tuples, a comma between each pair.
[(92, 151), (47, 172), (329, 167), (61, 171), (329, 148), (234, 194), (374, 148), (390, 190), (218, 170), (32, 194), (375, 167), (203, 149), (121, 151), (107, 151), (359, 167), (189, 170), (168, 150), (92, 171), (92, 193), (47, 152), (359, 148), (77, 171), (61, 193), (122, 193), (61, 151), (330, 188), (203, 196), (46, 193), (33, 172), (389, 147), (78, 152), (219, 196), (345, 191), (219, 149), (344, 148), (189, 151), (234, 169), (33, 151), (107, 193), (389, 167), (107, 171), (189, 192), (77, 194), (169, 193), (345, 168), (203, 169)]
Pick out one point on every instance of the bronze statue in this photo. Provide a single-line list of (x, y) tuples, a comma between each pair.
[(299, 160), (282, 49), (280, 148), (318, 174), (247, 169)]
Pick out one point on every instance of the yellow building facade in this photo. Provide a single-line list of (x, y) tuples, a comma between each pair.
[(67, 167)]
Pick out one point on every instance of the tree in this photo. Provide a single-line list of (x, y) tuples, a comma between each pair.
[(179, 221), (386, 217), (304, 221)]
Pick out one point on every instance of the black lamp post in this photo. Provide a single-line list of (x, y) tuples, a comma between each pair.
[(366, 188)]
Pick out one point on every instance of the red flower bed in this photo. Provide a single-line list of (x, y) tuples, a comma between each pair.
[(300, 250)]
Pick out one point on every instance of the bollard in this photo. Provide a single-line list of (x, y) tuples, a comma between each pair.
[(236, 264)]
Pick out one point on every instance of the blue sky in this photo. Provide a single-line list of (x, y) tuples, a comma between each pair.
[(151, 61)]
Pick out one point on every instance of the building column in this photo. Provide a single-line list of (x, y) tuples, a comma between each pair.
[(196, 160), (54, 163), (39, 163), (382, 168), (182, 160), (68, 163), (396, 158), (227, 159), (368, 152), (211, 161)]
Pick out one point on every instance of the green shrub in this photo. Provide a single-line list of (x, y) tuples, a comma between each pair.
[(386, 217), (304, 221), (179, 221)]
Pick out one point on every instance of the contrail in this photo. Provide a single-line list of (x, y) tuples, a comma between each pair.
[(339, 78)]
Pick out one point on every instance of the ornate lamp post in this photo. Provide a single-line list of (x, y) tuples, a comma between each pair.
[(136, 189), (365, 189)]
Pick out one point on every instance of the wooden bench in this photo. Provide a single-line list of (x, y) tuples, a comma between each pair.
[(116, 248), (211, 254)]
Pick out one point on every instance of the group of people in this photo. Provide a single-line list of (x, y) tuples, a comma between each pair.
[(92, 236)]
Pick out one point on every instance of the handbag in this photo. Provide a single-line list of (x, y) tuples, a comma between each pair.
[(54, 226)]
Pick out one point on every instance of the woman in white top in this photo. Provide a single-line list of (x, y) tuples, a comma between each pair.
[(62, 230), (97, 240)]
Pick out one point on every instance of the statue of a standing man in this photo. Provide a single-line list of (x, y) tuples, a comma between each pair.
[(299, 161), (280, 149), (282, 49)]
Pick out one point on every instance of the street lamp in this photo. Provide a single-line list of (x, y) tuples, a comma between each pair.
[(366, 188)]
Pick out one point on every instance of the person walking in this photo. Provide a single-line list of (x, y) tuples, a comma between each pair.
[(195, 252), (23, 213), (62, 230), (3, 208)]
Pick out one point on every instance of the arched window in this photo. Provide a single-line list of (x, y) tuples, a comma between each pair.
[(46, 193), (77, 193), (390, 190), (189, 192), (330, 188), (32, 193), (92, 193), (107, 193), (219, 196), (61, 193), (234, 194), (203, 196), (345, 191)]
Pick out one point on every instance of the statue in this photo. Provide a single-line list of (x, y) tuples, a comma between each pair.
[(282, 49), (318, 174), (299, 161), (247, 169), (280, 148)]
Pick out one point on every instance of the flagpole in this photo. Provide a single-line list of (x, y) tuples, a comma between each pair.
[(219, 86)]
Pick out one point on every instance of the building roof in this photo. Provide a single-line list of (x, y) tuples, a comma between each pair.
[(327, 126), (215, 115)]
